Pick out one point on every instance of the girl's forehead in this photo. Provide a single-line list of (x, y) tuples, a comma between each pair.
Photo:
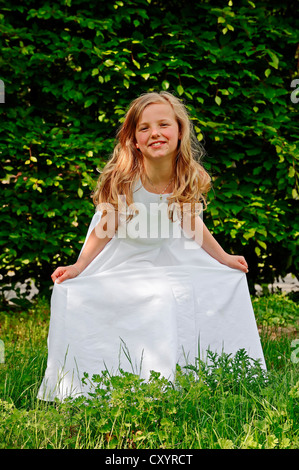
[(157, 111)]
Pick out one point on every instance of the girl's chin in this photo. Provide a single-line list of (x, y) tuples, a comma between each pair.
[(160, 153), (155, 156)]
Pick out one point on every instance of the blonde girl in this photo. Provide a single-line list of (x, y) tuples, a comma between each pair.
[(137, 301)]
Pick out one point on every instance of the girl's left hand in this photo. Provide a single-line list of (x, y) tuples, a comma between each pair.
[(236, 262), (62, 273)]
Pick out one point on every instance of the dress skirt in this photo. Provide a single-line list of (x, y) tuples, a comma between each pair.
[(145, 303)]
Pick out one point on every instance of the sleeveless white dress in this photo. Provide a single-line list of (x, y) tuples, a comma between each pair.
[(152, 298)]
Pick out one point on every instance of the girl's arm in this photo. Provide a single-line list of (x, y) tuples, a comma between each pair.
[(197, 230), (97, 240)]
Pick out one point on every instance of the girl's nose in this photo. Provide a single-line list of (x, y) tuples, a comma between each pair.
[(155, 131)]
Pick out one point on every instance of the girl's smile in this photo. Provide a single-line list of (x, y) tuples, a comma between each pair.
[(157, 144)]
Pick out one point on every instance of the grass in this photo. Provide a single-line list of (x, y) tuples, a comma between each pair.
[(228, 404)]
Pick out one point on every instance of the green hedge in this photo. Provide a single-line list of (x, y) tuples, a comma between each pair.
[(70, 70)]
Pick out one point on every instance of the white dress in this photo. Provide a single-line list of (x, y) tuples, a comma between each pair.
[(148, 301)]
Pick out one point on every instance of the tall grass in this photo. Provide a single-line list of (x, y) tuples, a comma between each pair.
[(229, 403)]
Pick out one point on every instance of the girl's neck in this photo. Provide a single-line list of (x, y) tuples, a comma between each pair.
[(159, 185), (158, 175)]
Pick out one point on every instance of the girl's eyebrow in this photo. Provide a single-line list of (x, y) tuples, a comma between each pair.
[(146, 123)]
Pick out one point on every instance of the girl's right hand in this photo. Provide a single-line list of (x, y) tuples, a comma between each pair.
[(62, 273)]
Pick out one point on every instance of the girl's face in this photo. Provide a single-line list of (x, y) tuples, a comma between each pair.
[(157, 132)]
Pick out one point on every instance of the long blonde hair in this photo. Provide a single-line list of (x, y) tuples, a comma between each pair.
[(122, 171)]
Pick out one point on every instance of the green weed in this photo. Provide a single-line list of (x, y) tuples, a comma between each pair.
[(226, 402)]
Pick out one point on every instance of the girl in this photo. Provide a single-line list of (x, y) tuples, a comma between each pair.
[(151, 288)]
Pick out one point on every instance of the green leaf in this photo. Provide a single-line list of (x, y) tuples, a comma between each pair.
[(180, 90), (274, 59), (257, 251), (88, 103), (109, 63), (267, 72), (262, 244), (249, 233), (136, 63), (295, 194)]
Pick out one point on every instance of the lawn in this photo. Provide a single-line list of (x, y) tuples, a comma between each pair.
[(230, 403)]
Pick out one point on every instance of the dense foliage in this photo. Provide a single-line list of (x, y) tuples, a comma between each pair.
[(71, 68)]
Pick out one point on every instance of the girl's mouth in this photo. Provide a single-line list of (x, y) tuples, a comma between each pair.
[(157, 144)]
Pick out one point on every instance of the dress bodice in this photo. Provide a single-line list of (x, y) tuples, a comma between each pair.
[(151, 223)]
